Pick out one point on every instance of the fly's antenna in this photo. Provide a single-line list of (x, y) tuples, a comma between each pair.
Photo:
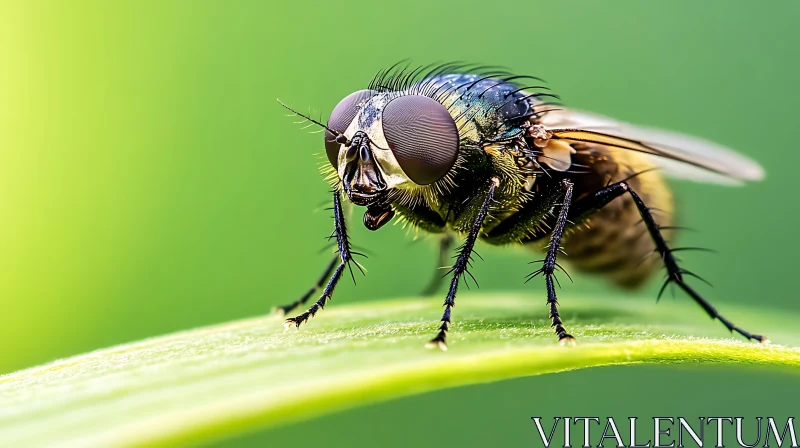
[(307, 118)]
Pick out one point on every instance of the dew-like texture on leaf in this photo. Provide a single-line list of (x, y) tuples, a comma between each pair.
[(219, 381)]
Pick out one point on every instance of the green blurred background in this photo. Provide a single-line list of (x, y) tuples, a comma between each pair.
[(149, 181)]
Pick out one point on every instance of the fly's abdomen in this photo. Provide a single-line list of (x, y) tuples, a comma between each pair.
[(613, 241)]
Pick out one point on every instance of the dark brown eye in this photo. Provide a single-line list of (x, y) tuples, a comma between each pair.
[(340, 119), (423, 137)]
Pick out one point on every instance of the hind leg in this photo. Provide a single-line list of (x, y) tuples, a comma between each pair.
[(675, 274)]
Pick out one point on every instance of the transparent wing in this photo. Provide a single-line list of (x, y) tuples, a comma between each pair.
[(678, 155)]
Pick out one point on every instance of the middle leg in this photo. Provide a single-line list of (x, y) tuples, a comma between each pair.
[(533, 222), (549, 265)]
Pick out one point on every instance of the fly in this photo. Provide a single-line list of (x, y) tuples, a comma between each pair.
[(461, 152)]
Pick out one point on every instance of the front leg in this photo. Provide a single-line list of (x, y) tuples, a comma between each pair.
[(326, 274), (549, 266), (462, 262), (345, 257)]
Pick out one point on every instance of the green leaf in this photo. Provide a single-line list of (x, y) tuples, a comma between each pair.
[(219, 381)]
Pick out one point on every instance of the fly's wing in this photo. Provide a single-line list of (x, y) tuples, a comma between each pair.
[(678, 155)]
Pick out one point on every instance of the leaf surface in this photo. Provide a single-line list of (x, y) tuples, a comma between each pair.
[(219, 381)]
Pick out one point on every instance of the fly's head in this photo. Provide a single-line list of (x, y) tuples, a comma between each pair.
[(384, 141)]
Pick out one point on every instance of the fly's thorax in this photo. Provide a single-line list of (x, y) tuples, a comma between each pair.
[(484, 108)]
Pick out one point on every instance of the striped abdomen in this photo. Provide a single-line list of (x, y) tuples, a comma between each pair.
[(613, 241)]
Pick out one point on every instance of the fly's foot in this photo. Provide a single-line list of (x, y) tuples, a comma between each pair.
[(566, 339), (289, 323), (438, 341), (311, 312), (296, 321)]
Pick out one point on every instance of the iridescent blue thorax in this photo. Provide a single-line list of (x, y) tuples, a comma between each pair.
[(485, 109)]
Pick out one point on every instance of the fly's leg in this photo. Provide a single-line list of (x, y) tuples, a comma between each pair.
[(320, 281), (674, 273), (345, 258), (462, 263), (549, 265), (445, 242)]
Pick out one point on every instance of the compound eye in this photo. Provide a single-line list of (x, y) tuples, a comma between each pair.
[(340, 120), (423, 137)]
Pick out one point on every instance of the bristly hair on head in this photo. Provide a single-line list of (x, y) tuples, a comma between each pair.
[(401, 76)]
